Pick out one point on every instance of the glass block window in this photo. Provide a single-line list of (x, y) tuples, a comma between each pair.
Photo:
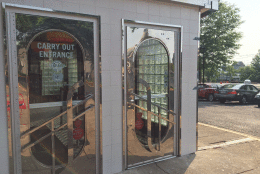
[(152, 66), (53, 78), (49, 86), (72, 71)]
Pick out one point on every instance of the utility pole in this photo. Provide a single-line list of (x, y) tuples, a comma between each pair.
[(202, 51), (203, 67)]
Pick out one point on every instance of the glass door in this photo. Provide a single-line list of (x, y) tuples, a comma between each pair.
[(53, 73), (151, 90)]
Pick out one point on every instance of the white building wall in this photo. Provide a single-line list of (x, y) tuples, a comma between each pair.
[(190, 25), (111, 12)]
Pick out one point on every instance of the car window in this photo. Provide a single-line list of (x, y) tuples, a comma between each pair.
[(214, 86), (219, 86), (243, 87), (203, 86), (255, 89), (237, 86), (249, 88), (228, 86)]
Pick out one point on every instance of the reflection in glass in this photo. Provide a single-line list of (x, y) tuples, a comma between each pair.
[(150, 59), (156, 75), (53, 55)]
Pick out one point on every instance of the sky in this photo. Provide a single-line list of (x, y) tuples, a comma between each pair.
[(250, 13)]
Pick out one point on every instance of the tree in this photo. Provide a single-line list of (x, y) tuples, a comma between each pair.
[(27, 26), (246, 73), (256, 68), (219, 38), (251, 72), (230, 72)]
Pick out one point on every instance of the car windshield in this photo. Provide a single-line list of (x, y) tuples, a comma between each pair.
[(237, 86), (203, 86), (228, 86), (215, 85)]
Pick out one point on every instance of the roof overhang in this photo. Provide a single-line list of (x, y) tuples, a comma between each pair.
[(206, 6)]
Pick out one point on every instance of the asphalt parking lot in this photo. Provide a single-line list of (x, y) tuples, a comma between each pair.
[(231, 115)]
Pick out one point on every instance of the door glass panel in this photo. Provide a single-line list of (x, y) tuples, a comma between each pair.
[(53, 55), (152, 66), (150, 73)]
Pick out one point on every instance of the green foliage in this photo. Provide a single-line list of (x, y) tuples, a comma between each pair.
[(230, 71), (256, 67), (251, 72), (234, 63), (246, 73), (219, 38), (28, 26)]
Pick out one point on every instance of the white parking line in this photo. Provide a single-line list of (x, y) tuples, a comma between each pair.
[(234, 132), (225, 144)]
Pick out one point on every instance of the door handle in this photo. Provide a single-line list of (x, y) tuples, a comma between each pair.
[(70, 118)]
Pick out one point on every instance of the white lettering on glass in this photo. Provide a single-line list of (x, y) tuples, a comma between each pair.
[(48, 46), (39, 45), (64, 47), (55, 54), (46, 54), (41, 53)]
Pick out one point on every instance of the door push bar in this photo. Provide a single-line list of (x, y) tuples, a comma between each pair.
[(149, 113), (70, 118)]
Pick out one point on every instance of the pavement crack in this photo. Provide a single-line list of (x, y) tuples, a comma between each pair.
[(246, 171), (161, 168), (234, 142), (218, 142)]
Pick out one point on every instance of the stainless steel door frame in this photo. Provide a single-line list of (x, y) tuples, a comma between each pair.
[(177, 87), (10, 12)]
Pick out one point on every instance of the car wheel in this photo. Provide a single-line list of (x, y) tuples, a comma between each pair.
[(210, 97), (259, 105), (243, 100), (222, 100)]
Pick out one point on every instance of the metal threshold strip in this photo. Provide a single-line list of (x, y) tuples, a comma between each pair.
[(159, 159)]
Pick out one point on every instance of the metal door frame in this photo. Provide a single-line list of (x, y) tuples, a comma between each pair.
[(177, 98), (10, 11)]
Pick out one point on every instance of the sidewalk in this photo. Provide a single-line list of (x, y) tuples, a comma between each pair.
[(220, 151)]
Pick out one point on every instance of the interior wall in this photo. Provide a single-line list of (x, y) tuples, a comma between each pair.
[(111, 12)]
